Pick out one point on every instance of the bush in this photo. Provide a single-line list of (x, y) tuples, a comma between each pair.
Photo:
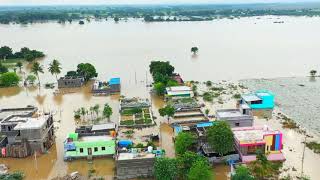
[(165, 169), (184, 142), (200, 170), (9, 79)]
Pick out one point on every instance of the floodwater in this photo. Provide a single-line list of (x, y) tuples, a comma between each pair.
[(228, 49)]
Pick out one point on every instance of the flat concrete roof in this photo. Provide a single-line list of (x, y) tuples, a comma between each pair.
[(178, 88), (6, 112), (227, 113), (250, 97), (249, 135), (128, 156), (95, 138), (29, 123), (106, 126)]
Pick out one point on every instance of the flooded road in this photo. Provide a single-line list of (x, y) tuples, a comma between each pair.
[(228, 49)]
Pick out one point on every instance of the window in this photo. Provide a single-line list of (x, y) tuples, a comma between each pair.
[(81, 150), (237, 124), (256, 102), (95, 149), (103, 148)]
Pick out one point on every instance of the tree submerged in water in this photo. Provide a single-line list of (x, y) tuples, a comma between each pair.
[(313, 73), (194, 50)]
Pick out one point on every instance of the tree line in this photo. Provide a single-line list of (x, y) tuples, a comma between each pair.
[(24, 15), (25, 53)]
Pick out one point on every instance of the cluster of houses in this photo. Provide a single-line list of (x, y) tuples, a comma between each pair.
[(24, 131)]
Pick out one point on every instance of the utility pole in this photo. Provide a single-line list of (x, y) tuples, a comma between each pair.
[(304, 149)]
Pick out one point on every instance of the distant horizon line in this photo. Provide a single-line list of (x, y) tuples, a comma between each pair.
[(157, 4)]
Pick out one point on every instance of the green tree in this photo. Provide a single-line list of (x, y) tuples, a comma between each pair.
[(107, 111), (9, 79), (55, 68), (159, 88), (313, 73), (165, 169), (220, 137), (31, 79), (172, 83), (185, 162), (168, 111), (184, 142), (3, 69), (36, 69), (86, 70), (161, 67), (19, 65), (194, 50), (96, 109), (116, 19), (262, 168), (200, 170), (29, 57), (5, 51), (242, 173)]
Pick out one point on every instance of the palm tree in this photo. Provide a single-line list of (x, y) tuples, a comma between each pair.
[(96, 109), (55, 68), (107, 111), (19, 65), (36, 69), (194, 50)]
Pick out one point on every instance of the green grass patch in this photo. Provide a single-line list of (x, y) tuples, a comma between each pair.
[(314, 146), (131, 111), (140, 121), (127, 123), (148, 121)]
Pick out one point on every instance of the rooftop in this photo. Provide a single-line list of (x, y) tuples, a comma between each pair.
[(95, 138), (252, 134), (250, 97), (230, 114), (178, 88), (106, 126), (128, 156), (29, 123), (6, 112), (114, 81)]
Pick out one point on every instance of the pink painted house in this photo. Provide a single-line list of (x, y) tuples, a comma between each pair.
[(250, 139)]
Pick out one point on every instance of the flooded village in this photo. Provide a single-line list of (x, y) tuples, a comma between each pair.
[(102, 115)]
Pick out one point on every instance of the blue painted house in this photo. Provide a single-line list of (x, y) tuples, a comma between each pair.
[(261, 102), (115, 85)]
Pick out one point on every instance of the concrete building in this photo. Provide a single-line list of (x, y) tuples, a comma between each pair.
[(106, 88), (135, 165), (70, 82), (261, 102), (26, 135), (250, 139), (91, 141), (179, 92), (236, 117)]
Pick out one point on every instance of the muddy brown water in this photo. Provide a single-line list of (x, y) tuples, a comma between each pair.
[(228, 49)]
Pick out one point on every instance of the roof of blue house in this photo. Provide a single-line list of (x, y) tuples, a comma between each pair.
[(114, 81), (267, 98)]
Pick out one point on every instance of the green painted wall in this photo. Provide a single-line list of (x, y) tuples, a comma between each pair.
[(109, 148)]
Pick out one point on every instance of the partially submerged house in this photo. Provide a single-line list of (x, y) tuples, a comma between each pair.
[(235, 117), (176, 77), (135, 112), (70, 82), (106, 88), (178, 92), (27, 135), (91, 141), (261, 102), (250, 139)]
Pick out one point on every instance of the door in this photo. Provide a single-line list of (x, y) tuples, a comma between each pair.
[(89, 151)]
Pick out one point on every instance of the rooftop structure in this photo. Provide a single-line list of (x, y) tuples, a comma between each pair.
[(70, 82), (177, 78), (112, 86), (127, 103), (250, 139), (88, 146), (26, 135), (7, 113), (179, 91), (235, 117), (261, 99), (97, 129)]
